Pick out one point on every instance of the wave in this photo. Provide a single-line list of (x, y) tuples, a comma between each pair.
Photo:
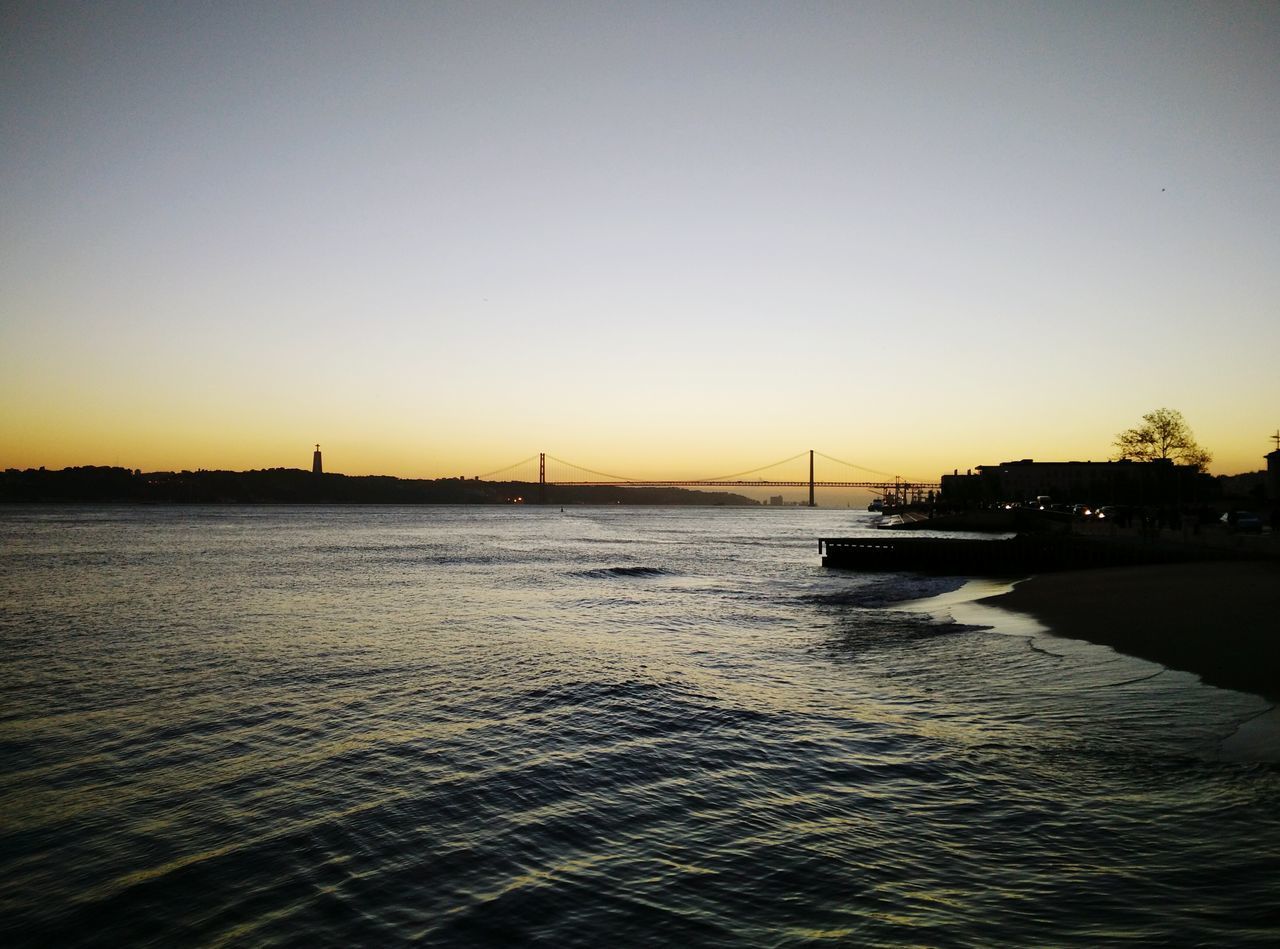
[(610, 573), (886, 590)]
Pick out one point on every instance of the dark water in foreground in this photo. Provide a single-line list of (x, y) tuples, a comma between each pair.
[(249, 726)]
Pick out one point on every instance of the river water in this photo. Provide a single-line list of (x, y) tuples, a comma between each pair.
[(603, 726)]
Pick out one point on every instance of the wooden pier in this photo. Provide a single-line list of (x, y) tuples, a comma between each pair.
[(1011, 557)]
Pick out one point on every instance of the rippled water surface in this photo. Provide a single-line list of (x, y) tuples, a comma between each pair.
[(480, 726)]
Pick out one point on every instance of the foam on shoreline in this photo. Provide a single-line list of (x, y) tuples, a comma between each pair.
[(982, 602)]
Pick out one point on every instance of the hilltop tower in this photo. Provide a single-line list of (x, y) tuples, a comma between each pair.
[(316, 467)]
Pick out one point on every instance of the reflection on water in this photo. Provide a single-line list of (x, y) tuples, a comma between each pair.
[(474, 726)]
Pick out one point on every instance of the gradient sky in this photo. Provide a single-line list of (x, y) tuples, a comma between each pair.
[(658, 239)]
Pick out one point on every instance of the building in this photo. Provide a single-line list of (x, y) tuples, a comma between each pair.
[(1158, 482), (1273, 472)]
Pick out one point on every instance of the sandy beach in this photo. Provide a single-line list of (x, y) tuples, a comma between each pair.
[(1220, 621)]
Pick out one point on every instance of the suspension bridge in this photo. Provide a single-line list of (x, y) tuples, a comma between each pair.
[(567, 474)]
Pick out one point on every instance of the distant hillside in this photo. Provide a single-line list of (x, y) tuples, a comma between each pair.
[(295, 486)]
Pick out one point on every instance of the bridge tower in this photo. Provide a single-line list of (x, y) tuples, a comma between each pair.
[(542, 477), (811, 503)]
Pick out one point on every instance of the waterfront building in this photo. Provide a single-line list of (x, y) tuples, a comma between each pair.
[(1273, 471), (1092, 482)]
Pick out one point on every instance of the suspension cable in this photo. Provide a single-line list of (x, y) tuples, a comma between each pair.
[(485, 477), (739, 474), (852, 465), (601, 474)]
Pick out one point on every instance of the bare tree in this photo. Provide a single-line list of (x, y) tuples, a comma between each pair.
[(1164, 433)]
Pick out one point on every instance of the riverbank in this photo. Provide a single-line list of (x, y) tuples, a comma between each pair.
[(1220, 621), (94, 484)]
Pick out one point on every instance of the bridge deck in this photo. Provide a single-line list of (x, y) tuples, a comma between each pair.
[(875, 485)]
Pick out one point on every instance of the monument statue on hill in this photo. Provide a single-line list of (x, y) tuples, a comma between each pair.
[(316, 466)]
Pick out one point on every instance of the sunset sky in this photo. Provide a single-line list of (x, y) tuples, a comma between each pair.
[(657, 239)]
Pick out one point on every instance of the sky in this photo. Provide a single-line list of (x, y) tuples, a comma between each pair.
[(658, 239)]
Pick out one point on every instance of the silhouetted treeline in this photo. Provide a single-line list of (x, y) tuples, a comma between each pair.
[(295, 486)]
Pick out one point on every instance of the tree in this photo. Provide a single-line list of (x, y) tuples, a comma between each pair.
[(1164, 433)]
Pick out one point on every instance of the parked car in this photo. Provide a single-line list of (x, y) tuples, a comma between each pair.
[(1244, 521), (1113, 512)]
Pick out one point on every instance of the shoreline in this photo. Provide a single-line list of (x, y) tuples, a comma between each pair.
[(1193, 640), (1219, 621)]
